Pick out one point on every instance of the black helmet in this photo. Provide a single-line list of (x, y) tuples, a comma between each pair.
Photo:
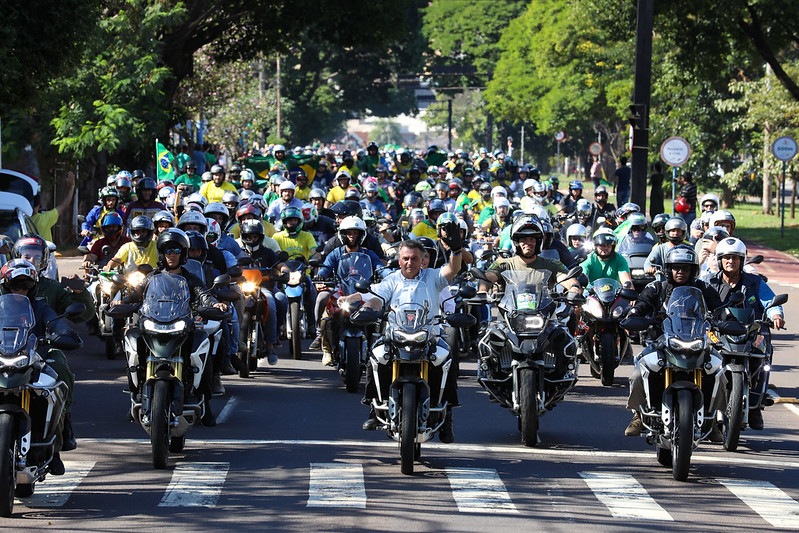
[(431, 247), (146, 184), (191, 164), (141, 230), (348, 208), (252, 234), (682, 254), (172, 238), (137, 174), (197, 241), (527, 226), (412, 199)]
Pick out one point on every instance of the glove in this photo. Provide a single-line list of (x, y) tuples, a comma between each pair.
[(453, 237)]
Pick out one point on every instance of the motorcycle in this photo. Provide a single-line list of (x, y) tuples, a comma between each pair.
[(528, 357), (460, 339), (294, 288), (603, 341), (744, 357), (636, 258), (166, 397), (683, 378), (33, 399), (411, 409)]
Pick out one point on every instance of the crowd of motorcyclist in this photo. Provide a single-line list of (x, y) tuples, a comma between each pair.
[(427, 215)]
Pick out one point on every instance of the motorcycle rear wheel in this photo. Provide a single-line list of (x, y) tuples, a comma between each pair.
[(352, 364), (734, 413), (683, 435), (528, 406), (408, 430), (296, 334), (159, 423), (608, 346), (8, 452)]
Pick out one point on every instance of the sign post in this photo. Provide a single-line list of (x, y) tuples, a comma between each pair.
[(559, 136), (784, 149), (674, 151)]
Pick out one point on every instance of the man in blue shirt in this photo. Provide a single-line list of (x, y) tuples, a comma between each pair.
[(622, 186)]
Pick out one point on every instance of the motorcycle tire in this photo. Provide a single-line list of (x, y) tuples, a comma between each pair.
[(245, 324), (176, 444), (663, 456), (8, 460), (609, 349), (296, 334), (528, 406), (159, 423), (255, 349), (352, 363), (408, 429), (110, 347), (683, 445), (734, 413)]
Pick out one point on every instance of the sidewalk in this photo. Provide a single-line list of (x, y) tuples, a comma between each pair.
[(777, 266)]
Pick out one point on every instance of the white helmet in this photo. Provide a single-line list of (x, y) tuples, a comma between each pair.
[(193, 217), (246, 174), (501, 202), (576, 230), (539, 211), (730, 246), (722, 216), (499, 190), (278, 148), (352, 223), (712, 197), (214, 232), (287, 186), (197, 198), (529, 182)]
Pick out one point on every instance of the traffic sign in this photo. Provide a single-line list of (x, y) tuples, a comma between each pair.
[(675, 151), (595, 148), (559, 136), (784, 148)]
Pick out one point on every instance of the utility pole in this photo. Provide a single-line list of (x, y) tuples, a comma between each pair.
[(277, 87), (449, 125), (640, 107)]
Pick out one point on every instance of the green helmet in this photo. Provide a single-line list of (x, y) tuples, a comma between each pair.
[(291, 228)]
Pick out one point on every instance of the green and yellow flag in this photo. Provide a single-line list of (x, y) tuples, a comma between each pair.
[(165, 160)]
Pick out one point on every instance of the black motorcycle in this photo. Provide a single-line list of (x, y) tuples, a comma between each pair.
[(636, 259)]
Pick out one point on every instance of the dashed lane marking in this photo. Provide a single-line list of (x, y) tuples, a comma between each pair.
[(624, 496), (195, 485), (337, 485)]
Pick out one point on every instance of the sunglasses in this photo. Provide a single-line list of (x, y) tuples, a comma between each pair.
[(681, 268), (709, 206), (173, 251)]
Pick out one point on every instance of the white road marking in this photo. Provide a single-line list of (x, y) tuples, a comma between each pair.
[(337, 485), (697, 457), (195, 485), (56, 490), (791, 407), (227, 410), (479, 490), (772, 504), (624, 496)]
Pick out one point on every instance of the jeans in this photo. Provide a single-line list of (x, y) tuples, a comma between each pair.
[(622, 197), (282, 306)]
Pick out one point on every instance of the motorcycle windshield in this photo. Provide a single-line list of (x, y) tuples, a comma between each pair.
[(411, 308), (606, 289), (167, 298), (686, 314), (16, 322), (352, 267), (743, 315), (526, 290)]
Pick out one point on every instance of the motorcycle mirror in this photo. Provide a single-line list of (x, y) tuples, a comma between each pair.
[(628, 294), (118, 279), (244, 261), (222, 279), (235, 272), (121, 310), (145, 268), (755, 260), (74, 310), (574, 272), (315, 263), (394, 263), (575, 298), (732, 327), (106, 250), (282, 256), (636, 323), (467, 291), (778, 300), (362, 286), (461, 320), (479, 274)]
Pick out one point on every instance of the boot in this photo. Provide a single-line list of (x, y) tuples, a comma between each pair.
[(68, 436), (57, 465), (316, 344), (715, 434), (216, 385), (228, 369), (756, 418), (446, 435), (370, 424), (635, 427), (208, 419)]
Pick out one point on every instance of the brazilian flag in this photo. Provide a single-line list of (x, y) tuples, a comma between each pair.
[(165, 162)]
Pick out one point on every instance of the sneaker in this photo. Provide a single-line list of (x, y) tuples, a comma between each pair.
[(715, 434), (208, 419), (57, 465), (68, 436), (272, 358), (217, 389), (635, 427), (371, 423), (327, 359), (446, 435), (228, 370), (316, 344), (756, 419)]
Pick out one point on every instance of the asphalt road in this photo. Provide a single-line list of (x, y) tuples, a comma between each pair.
[(289, 455)]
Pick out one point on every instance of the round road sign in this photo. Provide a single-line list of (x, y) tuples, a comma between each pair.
[(595, 148), (559, 136), (675, 151), (784, 148)]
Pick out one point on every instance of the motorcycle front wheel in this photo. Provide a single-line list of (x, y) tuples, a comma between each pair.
[(8, 453), (683, 435), (608, 347), (159, 423), (110, 347), (296, 334), (528, 406), (408, 430), (734, 414), (352, 363)]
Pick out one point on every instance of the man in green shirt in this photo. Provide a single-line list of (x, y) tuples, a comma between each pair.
[(190, 178), (604, 262)]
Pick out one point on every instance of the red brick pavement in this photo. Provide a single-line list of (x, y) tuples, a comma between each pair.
[(777, 266)]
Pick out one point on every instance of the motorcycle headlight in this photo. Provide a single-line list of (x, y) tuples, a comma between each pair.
[(248, 287), (19, 361), (349, 307), (417, 337), (686, 346), (107, 287), (593, 308), (638, 273), (295, 277), (617, 311), (527, 323), (136, 278), (174, 327)]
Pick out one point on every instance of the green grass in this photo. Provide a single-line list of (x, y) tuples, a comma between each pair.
[(751, 224)]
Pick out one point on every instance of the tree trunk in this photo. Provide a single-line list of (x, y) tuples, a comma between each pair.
[(793, 193), (767, 206)]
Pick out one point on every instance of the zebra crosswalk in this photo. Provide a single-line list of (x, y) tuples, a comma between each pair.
[(471, 490)]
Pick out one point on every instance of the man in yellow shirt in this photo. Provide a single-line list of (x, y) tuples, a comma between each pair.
[(45, 220), (428, 228), (141, 250), (303, 190), (338, 192), (215, 189)]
